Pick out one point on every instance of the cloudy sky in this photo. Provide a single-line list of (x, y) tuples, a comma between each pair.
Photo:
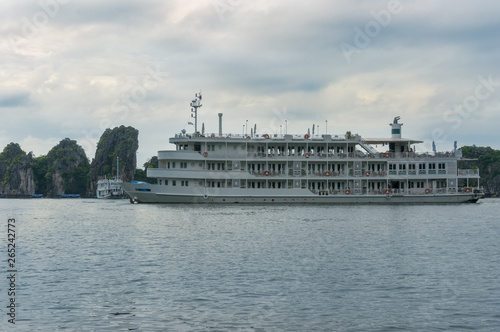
[(72, 68)]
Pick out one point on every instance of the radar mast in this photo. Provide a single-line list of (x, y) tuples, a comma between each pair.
[(195, 104)]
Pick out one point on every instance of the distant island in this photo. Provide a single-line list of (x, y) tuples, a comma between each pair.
[(67, 170), (488, 162)]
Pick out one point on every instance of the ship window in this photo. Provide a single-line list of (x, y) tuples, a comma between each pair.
[(441, 166), (168, 164), (160, 181), (174, 183), (186, 147), (402, 167), (421, 166), (411, 166), (197, 147), (432, 166), (166, 182), (173, 165)]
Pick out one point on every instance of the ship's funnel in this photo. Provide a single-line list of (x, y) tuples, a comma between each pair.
[(220, 124)]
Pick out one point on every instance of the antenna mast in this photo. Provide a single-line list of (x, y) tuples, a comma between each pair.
[(195, 104)]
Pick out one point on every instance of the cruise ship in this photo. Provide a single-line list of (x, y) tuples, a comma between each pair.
[(307, 168), (110, 188)]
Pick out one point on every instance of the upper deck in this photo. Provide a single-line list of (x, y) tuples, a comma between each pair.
[(231, 138), (218, 146)]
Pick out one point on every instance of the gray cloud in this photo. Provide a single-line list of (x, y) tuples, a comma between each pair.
[(78, 71), (14, 100)]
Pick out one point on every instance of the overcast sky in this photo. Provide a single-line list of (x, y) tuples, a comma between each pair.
[(72, 68)]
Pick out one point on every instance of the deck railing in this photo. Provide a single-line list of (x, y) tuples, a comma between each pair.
[(351, 155)]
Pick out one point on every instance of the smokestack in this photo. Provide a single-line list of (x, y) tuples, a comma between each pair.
[(220, 124)]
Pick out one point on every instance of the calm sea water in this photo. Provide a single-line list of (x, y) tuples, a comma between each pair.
[(92, 265)]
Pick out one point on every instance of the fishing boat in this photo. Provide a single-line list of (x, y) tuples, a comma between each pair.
[(303, 168)]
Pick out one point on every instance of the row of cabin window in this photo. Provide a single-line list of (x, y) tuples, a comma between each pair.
[(421, 184), (216, 166), (182, 164), (312, 185), (174, 183), (402, 167)]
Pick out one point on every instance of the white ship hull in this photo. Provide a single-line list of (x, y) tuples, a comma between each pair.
[(293, 196)]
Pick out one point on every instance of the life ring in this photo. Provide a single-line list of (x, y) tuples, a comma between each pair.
[(266, 172), (266, 136), (387, 191), (387, 154), (467, 190), (205, 154), (328, 173), (427, 191), (307, 155), (367, 173), (447, 154), (306, 136), (347, 191)]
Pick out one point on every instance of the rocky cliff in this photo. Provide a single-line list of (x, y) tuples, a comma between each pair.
[(488, 162), (64, 170), (16, 173), (121, 142)]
